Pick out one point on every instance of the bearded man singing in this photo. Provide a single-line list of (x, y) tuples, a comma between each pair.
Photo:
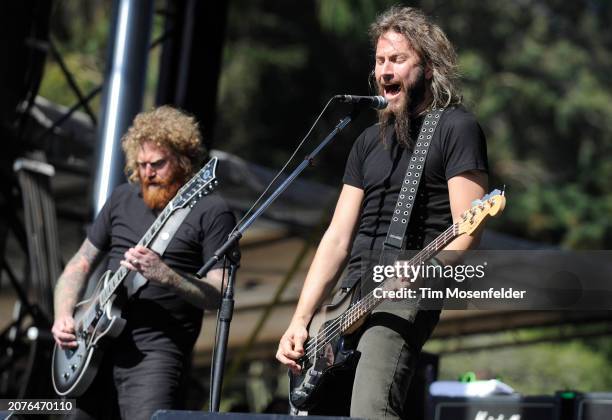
[(415, 70), (145, 367)]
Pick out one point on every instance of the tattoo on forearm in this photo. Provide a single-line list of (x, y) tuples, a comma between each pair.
[(72, 281), (196, 291)]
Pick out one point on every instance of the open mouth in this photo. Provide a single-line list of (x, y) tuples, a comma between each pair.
[(392, 90)]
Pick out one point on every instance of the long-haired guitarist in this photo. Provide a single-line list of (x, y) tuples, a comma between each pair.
[(415, 70), (144, 368)]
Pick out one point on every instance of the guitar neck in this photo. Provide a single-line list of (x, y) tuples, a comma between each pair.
[(145, 241), (369, 302)]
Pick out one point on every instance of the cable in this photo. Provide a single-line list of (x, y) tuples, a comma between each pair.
[(299, 146)]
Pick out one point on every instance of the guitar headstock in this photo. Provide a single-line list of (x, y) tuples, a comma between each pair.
[(489, 205), (202, 183)]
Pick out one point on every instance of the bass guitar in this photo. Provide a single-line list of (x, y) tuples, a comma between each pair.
[(98, 319), (327, 351)]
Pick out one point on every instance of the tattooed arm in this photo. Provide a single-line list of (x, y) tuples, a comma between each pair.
[(203, 293), (68, 290)]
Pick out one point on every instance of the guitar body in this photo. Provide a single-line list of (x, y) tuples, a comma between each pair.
[(331, 359), (73, 370)]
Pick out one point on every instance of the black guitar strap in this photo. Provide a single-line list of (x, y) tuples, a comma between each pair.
[(396, 236)]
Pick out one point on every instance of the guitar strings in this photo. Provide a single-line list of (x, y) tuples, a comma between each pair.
[(122, 272), (315, 344), (362, 307), (332, 330)]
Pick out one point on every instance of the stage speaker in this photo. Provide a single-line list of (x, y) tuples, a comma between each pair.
[(593, 406), (494, 408), (201, 415)]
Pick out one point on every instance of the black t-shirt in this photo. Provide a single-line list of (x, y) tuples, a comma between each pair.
[(458, 145), (156, 314)]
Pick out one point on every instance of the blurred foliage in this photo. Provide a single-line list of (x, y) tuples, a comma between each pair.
[(537, 369), (536, 74), (80, 32)]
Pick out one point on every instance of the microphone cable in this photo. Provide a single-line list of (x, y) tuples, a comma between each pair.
[(297, 149)]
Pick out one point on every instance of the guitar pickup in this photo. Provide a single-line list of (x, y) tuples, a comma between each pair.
[(307, 386), (298, 394), (314, 374)]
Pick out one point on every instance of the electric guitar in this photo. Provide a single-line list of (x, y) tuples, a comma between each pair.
[(98, 319), (327, 349)]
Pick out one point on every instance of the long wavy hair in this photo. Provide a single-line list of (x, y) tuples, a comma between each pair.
[(432, 45), (165, 127)]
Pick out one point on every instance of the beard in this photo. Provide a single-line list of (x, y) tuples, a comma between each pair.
[(400, 117), (157, 193)]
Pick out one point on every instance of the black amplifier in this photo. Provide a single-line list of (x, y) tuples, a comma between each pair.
[(494, 408), (593, 406)]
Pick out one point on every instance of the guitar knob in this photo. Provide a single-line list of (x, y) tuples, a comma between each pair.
[(66, 375), (73, 367)]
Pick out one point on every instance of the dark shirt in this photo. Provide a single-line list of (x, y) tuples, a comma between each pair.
[(458, 145), (156, 314)]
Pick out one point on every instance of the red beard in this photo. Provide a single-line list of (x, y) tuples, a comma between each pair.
[(157, 193)]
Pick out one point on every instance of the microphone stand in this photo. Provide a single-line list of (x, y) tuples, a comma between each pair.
[(230, 250)]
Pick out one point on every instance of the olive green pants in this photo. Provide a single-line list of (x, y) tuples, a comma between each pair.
[(389, 350)]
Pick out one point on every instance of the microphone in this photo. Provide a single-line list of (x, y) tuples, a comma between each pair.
[(376, 102)]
